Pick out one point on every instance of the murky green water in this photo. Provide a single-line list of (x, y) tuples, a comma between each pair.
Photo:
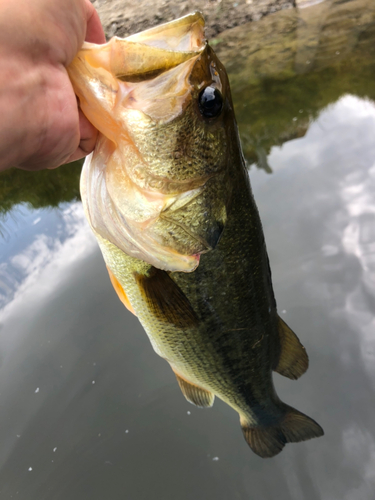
[(87, 410)]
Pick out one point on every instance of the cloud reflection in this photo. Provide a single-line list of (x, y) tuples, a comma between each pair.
[(35, 273), (318, 210), (333, 171), (318, 213)]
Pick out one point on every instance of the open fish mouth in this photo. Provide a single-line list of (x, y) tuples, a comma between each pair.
[(153, 186)]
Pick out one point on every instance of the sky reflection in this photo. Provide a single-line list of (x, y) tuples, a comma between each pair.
[(63, 328), (318, 212), (38, 260)]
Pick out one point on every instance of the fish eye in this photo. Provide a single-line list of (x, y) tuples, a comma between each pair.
[(210, 102)]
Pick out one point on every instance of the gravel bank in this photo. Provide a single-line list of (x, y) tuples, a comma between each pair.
[(123, 17)]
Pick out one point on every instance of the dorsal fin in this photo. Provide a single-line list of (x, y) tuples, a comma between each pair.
[(120, 291), (293, 360), (165, 299), (195, 394)]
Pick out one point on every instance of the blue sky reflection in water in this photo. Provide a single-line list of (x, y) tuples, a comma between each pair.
[(89, 411)]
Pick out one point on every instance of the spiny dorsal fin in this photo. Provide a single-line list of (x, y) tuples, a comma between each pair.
[(195, 394), (120, 291), (293, 360), (268, 441), (165, 299)]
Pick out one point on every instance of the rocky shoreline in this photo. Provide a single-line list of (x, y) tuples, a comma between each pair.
[(123, 18)]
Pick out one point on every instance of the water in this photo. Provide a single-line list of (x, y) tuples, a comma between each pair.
[(87, 410)]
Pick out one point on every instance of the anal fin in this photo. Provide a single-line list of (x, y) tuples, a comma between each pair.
[(293, 360), (120, 291), (195, 394)]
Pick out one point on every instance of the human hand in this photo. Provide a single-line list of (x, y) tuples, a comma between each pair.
[(41, 125)]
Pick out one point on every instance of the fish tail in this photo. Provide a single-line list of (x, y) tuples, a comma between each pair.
[(268, 441)]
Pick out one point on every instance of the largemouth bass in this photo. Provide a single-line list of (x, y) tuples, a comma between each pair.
[(168, 197)]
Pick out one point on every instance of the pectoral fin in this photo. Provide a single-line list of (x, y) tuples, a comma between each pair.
[(195, 394), (293, 360), (165, 299), (120, 291)]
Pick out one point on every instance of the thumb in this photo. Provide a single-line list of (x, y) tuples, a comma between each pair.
[(94, 30)]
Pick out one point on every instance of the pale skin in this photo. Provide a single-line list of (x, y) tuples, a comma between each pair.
[(41, 125)]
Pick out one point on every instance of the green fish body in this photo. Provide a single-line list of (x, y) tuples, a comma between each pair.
[(191, 262)]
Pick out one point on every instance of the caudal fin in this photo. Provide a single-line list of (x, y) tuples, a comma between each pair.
[(268, 441)]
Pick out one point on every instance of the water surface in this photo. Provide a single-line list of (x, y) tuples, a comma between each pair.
[(87, 409)]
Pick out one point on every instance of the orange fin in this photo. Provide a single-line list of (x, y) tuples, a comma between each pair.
[(269, 441), (195, 394), (120, 291), (165, 299), (293, 360)]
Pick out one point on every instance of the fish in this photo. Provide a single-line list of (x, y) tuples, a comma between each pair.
[(167, 194)]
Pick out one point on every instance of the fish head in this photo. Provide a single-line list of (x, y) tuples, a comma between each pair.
[(158, 184)]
